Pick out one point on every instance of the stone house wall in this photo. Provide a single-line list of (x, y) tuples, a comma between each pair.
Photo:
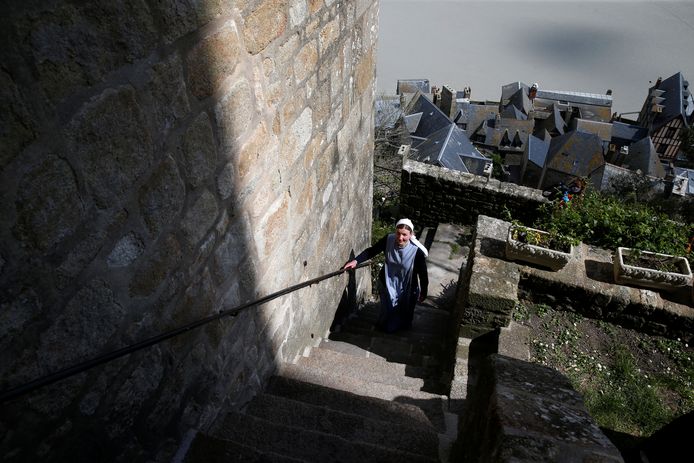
[(431, 195), (162, 161)]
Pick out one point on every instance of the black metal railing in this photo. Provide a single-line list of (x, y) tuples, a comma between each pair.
[(25, 388)]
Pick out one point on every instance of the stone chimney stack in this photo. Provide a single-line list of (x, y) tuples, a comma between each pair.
[(448, 101)]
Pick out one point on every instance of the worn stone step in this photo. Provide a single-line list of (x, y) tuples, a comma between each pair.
[(209, 449), (346, 344), (402, 435), (426, 319), (371, 369), (420, 344), (391, 350), (369, 407), (430, 403), (269, 436)]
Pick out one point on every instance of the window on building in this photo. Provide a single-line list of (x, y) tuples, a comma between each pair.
[(671, 132), (661, 148)]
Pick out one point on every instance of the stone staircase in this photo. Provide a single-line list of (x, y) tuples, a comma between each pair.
[(359, 395)]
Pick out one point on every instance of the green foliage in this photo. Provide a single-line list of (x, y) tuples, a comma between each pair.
[(497, 163), (379, 229), (623, 400), (607, 222)]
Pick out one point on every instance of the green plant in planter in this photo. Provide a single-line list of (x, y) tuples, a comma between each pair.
[(608, 222), (551, 239), (661, 263)]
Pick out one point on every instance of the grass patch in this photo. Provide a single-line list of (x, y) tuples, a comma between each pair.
[(631, 382)]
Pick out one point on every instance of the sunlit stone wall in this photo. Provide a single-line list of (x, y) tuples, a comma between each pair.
[(161, 161)]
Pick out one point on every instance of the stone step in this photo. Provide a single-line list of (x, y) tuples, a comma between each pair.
[(269, 436), (426, 318), (398, 435), (391, 350), (428, 344), (369, 407), (432, 404), (371, 369), (208, 449)]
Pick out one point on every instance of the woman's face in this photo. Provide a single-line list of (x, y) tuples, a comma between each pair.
[(402, 237)]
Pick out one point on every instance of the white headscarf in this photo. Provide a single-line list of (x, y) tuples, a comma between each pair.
[(414, 240)]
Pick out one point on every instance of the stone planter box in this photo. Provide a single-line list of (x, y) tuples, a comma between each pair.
[(650, 277), (538, 254)]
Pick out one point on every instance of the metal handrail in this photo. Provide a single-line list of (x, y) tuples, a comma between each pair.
[(25, 388)]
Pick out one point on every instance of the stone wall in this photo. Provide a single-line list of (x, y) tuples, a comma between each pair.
[(523, 412), (162, 161), (431, 194)]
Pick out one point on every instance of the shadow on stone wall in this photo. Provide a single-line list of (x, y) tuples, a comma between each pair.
[(145, 184)]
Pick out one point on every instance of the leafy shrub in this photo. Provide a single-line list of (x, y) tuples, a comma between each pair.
[(607, 222)]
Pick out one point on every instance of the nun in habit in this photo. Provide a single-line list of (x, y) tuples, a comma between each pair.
[(403, 280)]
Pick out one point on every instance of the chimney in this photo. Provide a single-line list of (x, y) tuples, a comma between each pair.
[(448, 101)]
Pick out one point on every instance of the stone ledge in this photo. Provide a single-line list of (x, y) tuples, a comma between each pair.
[(494, 285), (524, 412)]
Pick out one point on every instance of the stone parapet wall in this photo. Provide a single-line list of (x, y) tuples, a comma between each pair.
[(491, 287), (162, 161), (431, 194), (523, 412)]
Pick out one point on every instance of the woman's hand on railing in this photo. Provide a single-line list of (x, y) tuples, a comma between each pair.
[(350, 265)]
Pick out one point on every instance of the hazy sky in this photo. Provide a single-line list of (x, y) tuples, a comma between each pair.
[(587, 46)]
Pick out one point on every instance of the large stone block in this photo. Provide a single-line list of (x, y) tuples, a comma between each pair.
[(161, 198), (265, 24), (212, 61), (328, 35), (180, 17), (298, 12), (86, 325), (17, 128), (49, 207), (199, 150), (87, 248), (364, 74), (199, 218), (111, 145), (152, 272), (526, 412), (255, 155), (234, 114), (273, 227), (72, 45), (134, 392), (126, 251), (297, 138), (166, 94), (306, 60)]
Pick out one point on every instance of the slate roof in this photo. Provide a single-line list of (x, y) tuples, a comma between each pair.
[(449, 147), (518, 106), (554, 123), (508, 90), (575, 153), (477, 114), (625, 134), (432, 119), (538, 149), (677, 101), (583, 98), (643, 157), (412, 86), (506, 134), (601, 129)]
